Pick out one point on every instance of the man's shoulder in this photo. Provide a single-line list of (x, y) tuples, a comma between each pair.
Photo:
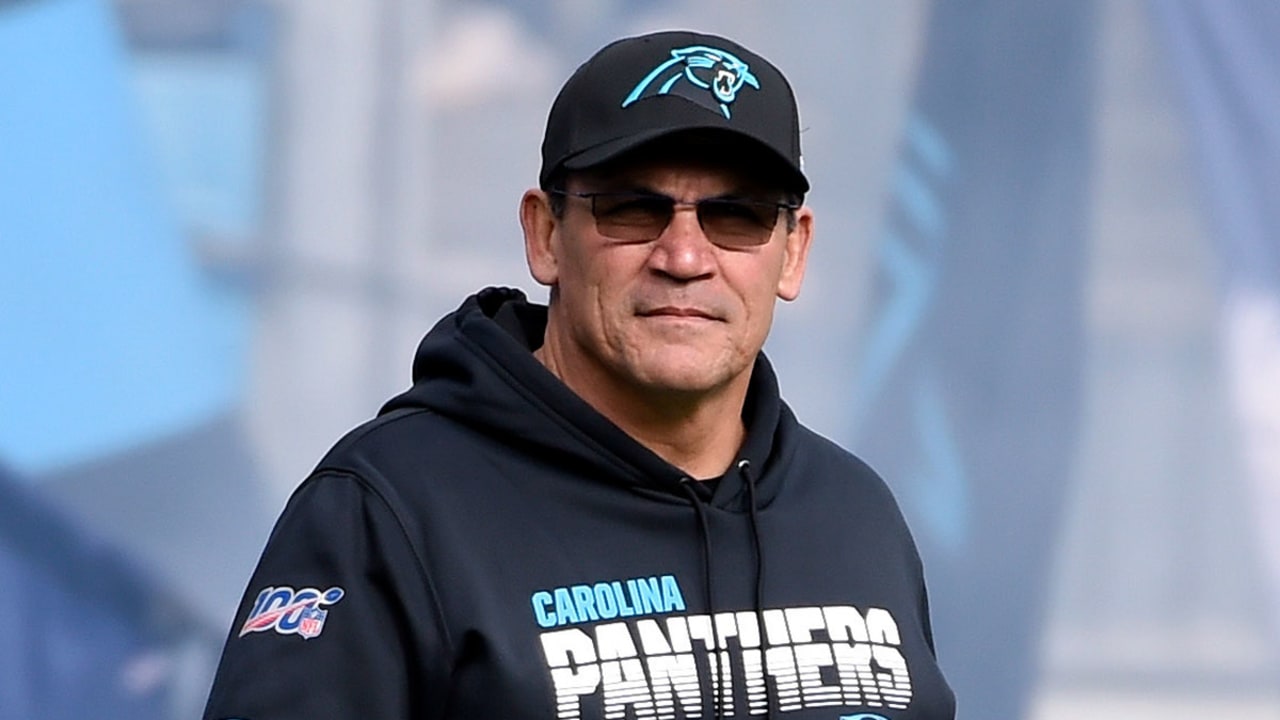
[(826, 460), (819, 447), (417, 441)]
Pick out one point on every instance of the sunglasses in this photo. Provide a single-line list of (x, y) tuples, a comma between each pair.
[(643, 216)]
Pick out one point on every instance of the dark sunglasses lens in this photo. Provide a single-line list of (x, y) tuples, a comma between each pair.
[(631, 217), (733, 222), (643, 217)]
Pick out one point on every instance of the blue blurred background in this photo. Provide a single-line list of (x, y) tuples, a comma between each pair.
[(1044, 303)]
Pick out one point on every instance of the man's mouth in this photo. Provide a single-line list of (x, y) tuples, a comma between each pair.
[(678, 312)]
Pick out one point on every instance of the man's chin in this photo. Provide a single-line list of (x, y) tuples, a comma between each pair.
[(686, 375)]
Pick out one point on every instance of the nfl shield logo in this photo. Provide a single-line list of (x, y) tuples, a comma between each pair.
[(312, 622)]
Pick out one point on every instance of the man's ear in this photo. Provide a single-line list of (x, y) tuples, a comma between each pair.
[(796, 255), (539, 225)]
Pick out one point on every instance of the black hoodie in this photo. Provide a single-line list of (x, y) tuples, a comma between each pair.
[(490, 546)]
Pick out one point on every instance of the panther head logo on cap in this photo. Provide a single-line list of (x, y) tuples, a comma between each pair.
[(706, 69)]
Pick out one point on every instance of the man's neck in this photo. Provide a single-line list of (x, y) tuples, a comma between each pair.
[(700, 433)]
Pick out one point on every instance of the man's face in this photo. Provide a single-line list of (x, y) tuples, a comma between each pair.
[(677, 314)]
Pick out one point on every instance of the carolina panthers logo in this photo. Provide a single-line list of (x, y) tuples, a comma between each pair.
[(706, 69)]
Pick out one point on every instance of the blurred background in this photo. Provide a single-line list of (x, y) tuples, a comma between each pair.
[(1044, 302)]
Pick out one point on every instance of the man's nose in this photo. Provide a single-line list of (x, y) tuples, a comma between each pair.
[(683, 250)]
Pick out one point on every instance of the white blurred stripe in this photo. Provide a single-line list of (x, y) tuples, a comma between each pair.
[(1251, 324)]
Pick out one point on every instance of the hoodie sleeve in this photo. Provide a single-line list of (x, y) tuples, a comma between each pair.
[(338, 621)]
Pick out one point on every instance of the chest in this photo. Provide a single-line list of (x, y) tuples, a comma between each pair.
[(653, 616)]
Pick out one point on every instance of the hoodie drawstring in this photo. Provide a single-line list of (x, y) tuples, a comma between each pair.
[(686, 484), (744, 467), (704, 531)]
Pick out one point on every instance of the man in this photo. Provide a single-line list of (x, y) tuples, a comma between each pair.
[(602, 508)]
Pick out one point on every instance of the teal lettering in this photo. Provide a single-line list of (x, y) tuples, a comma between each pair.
[(604, 600), (541, 601), (650, 594), (565, 611), (633, 592), (671, 598), (605, 604), (624, 609), (586, 602)]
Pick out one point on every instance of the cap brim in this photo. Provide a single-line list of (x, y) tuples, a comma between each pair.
[(604, 152)]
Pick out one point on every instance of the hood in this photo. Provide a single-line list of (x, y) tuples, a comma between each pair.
[(476, 367)]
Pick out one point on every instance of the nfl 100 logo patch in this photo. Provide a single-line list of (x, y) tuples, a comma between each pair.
[(291, 612)]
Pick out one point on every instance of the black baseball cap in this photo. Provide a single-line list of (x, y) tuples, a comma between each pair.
[(640, 89)]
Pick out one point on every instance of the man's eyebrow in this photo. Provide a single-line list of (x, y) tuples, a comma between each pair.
[(637, 188), (624, 185), (612, 184)]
